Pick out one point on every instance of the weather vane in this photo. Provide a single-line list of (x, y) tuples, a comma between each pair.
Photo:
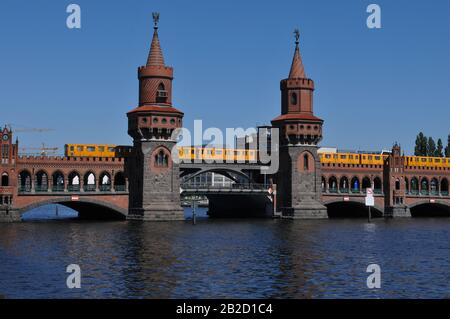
[(297, 35), (155, 18)]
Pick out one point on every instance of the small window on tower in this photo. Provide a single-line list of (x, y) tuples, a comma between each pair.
[(306, 162), (294, 98), (161, 94)]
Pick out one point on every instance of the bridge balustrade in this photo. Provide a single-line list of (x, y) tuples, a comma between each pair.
[(58, 188), (24, 189), (89, 188), (41, 188), (120, 188), (105, 188), (237, 186), (73, 188)]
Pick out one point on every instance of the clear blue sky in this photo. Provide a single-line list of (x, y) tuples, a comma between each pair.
[(373, 87)]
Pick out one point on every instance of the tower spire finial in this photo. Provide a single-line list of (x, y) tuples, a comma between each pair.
[(297, 36), (155, 19), (297, 69), (155, 56)]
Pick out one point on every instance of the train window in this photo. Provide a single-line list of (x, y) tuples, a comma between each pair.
[(80, 148), (437, 160), (377, 158), (423, 159), (350, 156), (343, 156), (111, 149), (72, 148), (91, 148), (327, 156)]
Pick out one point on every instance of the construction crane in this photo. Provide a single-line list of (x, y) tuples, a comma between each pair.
[(34, 130), (43, 150), (29, 129)]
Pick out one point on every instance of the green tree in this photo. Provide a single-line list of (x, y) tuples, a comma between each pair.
[(447, 149), (421, 145), (431, 147), (439, 149)]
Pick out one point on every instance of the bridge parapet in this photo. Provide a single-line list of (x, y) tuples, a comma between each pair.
[(39, 159), (229, 189)]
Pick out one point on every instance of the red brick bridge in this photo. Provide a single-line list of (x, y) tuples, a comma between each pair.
[(149, 189), (95, 187)]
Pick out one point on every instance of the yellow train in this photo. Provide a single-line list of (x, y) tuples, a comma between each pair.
[(90, 150), (352, 158), (426, 161), (216, 154), (244, 155)]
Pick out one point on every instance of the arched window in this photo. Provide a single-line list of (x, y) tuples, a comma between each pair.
[(74, 182), (58, 182), (294, 98), (377, 185), (324, 185), (332, 185), (414, 186), (104, 182), (24, 181), (161, 93), (41, 182), (434, 184), (306, 162), (89, 182), (119, 182), (355, 185), (344, 185), (366, 183), (161, 159), (5, 179), (397, 184), (444, 187), (424, 186)]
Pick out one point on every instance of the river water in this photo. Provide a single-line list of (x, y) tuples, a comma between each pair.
[(247, 258)]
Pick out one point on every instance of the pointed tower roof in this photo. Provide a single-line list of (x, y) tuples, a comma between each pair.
[(297, 68), (155, 56)]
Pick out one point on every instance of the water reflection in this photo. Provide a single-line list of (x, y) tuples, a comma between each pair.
[(226, 258)]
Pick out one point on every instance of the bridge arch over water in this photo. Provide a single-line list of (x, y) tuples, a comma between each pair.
[(425, 208), (351, 209), (87, 208)]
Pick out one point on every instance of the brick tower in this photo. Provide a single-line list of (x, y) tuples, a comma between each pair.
[(394, 184), (153, 176), (299, 177)]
